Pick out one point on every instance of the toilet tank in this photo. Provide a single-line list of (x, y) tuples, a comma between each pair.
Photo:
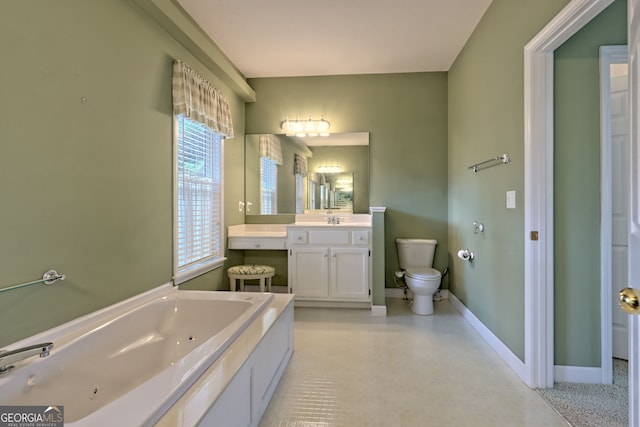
[(414, 253)]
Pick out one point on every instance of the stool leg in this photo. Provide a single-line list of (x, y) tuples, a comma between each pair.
[(232, 284), (269, 284), (262, 284), (241, 285)]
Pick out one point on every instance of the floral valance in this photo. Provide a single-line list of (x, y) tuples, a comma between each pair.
[(270, 147), (198, 100)]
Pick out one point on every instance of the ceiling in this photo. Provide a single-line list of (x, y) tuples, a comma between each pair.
[(284, 38)]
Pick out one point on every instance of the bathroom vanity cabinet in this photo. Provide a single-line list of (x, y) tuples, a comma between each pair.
[(330, 265)]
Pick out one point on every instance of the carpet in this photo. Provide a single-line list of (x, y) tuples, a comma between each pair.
[(593, 405)]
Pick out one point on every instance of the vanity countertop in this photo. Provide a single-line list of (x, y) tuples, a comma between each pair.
[(274, 236), (258, 236), (325, 225), (325, 220), (258, 230)]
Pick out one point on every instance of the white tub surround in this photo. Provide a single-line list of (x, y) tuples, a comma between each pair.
[(237, 388), (135, 361), (258, 236)]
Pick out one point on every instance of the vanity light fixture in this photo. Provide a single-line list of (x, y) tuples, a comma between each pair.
[(329, 169), (302, 128)]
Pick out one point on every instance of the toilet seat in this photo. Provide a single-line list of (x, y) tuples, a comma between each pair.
[(422, 273)]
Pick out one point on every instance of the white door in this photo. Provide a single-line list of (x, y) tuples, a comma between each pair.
[(619, 128), (634, 224)]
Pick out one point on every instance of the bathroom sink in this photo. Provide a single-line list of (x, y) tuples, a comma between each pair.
[(333, 220)]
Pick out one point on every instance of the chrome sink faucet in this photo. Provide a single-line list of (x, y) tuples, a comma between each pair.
[(8, 358), (333, 220)]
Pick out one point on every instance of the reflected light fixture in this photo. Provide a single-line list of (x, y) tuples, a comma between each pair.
[(329, 169), (302, 128)]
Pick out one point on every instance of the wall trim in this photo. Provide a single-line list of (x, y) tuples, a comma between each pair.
[(570, 374), (494, 342), (577, 374), (538, 186), (379, 311), (399, 293), (394, 292)]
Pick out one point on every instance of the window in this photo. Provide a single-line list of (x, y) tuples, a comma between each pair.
[(300, 171), (268, 186), (299, 193), (198, 210), (312, 194)]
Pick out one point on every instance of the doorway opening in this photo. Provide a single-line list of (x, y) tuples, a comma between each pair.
[(614, 228)]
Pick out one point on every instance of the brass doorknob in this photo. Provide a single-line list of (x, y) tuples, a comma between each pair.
[(628, 301)]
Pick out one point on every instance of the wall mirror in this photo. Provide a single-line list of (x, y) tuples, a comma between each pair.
[(289, 175)]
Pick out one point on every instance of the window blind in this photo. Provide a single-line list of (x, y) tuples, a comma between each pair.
[(199, 186), (269, 186), (300, 193)]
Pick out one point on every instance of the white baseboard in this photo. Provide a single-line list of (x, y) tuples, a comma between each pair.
[(577, 374), (494, 342), (399, 293), (570, 374), (394, 292), (379, 310)]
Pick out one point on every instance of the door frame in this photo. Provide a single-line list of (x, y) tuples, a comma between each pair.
[(608, 55), (538, 186)]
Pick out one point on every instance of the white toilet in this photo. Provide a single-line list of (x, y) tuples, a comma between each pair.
[(416, 261)]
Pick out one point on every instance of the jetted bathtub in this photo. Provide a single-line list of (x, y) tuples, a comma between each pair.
[(131, 363)]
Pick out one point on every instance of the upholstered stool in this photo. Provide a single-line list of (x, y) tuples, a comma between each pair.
[(247, 272)]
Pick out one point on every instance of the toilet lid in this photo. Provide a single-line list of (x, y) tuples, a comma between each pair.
[(423, 273)]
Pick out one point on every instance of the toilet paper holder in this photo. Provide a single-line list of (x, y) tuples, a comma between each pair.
[(466, 255)]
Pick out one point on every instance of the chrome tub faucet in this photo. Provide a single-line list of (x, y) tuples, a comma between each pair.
[(8, 358)]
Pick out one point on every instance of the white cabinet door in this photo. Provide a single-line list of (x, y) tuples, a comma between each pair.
[(309, 272), (350, 273)]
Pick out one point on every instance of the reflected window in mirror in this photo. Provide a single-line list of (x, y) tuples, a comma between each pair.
[(268, 186), (300, 193), (335, 191), (300, 172), (270, 159)]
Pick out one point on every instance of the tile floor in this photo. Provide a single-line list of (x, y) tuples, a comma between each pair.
[(351, 369)]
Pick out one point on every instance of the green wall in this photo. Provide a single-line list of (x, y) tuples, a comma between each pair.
[(86, 188), (577, 187), (486, 119), (406, 115)]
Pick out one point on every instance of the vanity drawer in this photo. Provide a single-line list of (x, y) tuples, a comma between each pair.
[(360, 237), (257, 243), (298, 237), (329, 237)]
